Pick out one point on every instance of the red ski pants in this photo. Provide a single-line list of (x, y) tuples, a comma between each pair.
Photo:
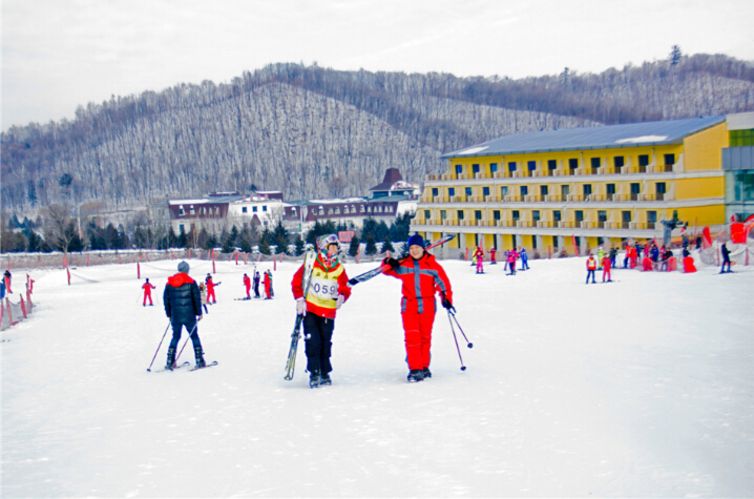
[(418, 334), (211, 295), (147, 296)]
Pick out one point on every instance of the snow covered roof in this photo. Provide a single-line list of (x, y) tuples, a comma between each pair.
[(603, 137)]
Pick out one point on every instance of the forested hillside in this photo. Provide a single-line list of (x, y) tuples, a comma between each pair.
[(315, 132)]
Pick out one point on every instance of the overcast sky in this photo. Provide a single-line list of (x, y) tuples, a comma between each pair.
[(59, 54)]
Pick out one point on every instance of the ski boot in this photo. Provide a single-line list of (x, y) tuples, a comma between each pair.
[(199, 355), (426, 373), (325, 379), (415, 375), (171, 359), (314, 379)]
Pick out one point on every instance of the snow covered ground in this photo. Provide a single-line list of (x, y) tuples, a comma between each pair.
[(641, 387)]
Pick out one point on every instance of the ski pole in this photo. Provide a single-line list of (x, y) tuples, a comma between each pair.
[(149, 369), (453, 315), (455, 339), (175, 362)]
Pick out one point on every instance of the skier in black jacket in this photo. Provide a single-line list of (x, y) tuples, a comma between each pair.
[(183, 305)]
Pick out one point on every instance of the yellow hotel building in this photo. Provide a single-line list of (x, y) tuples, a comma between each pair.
[(589, 186)]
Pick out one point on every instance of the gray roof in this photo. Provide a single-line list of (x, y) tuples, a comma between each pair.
[(602, 137)]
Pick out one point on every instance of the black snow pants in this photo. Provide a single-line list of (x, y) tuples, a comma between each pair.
[(318, 338)]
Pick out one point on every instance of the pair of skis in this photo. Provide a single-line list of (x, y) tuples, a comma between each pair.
[(311, 255)]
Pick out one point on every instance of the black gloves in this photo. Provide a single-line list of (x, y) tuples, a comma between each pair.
[(394, 264), (446, 303)]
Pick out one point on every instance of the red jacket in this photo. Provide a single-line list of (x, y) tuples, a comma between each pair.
[(147, 286), (247, 281), (326, 284), (591, 263), (421, 279)]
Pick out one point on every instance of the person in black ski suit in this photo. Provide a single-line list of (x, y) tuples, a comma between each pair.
[(726, 258), (256, 283), (183, 305)]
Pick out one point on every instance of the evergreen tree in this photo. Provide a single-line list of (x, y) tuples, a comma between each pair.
[(387, 245), (399, 229), (244, 240), (299, 246), (201, 239), (675, 55), (181, 241), (264, 242), (280, 238), (229, 242), (353, 248), (371, 247)]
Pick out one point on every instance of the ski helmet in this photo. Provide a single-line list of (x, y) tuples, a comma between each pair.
[(327, 240)]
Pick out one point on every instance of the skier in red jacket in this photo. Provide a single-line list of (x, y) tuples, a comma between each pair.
[(247, 285), (326, 293), (211, 288), (267, 281), (147, 287), (422, 277)]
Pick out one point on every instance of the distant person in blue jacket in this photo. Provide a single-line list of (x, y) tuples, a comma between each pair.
[(524, 259)]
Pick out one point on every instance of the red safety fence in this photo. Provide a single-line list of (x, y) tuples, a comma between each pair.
[(12, 312)]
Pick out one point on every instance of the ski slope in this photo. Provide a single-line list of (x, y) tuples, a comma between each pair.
[(640, 387)]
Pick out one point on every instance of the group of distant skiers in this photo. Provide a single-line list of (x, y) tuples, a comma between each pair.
[(318, 301), (510, 257)]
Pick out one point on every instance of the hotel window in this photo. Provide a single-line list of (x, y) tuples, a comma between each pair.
[(618, 162), (602, 216), (610, 191), (651, 219), (475, 169), (595, 162), (531, 165), (245, 209), (192, 211), (524, 190), (504, 191), (543, 191), (485, 191), (496, 215), (579, 214), (426, 214), (552, 164), (587, 190), (643, 160), (660, 190), (264, 208), (459, 169), (511, 167), (635, 190), (556, 215), (669, 159), (254, 209), (467, 191), (564, 190), (443, 214), (573, 163), (477, 214), (451, 191), (435, 192), (515, 215), (460, 214), (181, 211), (493, 168), (535, 216)]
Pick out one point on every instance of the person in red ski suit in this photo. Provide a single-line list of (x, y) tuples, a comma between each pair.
[(479, 256), (328, 289), (247, 285), (512, 257), (606, 265), (267, 285), (211, 288), (493, 261), (147, 287), (421, 277)]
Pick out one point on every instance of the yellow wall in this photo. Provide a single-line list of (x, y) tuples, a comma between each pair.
[(703, 150), (694, 188)]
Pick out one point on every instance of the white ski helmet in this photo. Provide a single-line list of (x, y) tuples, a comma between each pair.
[(324, 241)]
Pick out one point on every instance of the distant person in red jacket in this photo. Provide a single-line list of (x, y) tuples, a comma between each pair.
[(147, 287), (211, 288), (591, 267), (606, 265), (267, 284), (247, 285), (646, 264), (479, 257), (493, 261), (421, 276)]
